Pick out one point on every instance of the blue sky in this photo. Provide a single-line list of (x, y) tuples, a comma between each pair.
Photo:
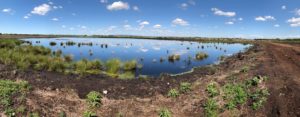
[(205, 18)]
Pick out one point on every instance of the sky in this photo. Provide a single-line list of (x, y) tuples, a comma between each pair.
[(201, 18)]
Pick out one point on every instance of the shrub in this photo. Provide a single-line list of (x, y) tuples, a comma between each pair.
[(254, 81), (94, 99), (201, 56), (173, 93), (113, 66), (185, 87), (212, 90), (130, 65), (164, 112), (68, 58), (211, 108)]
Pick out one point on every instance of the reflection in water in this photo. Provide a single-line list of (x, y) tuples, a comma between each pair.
[(156, 56)]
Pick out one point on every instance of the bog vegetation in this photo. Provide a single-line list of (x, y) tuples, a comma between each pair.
[(23, 56)]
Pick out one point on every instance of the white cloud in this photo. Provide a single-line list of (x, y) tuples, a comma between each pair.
[(54, 19), (41, 10), (64, 26), (184, 6), (240, 19), (26, 17), (179, 21), (118, 6), (110, 28), (229, 23), (283, 7), (103, 1), (294, 22), (127, 27), (276, 25), (83, 27), (7, 10), (264, 18), (297, 11), (223, 13), (143, 24), (136, 8), (157, 26)]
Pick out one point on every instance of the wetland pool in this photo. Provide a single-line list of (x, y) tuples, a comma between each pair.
[(153, 55)]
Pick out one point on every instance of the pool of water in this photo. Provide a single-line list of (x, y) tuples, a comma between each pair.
[(151, 54)]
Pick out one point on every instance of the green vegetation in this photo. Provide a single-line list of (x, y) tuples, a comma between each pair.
[(174, 57), (173, 93), (245, 69), (23, 57), (113, 66), (94, 99), (8, 91), (201, 56), (89, 114), (212, 89), (185, 87), (234, 94), (211, 108), (164, 112), (258, 98), (130, 65)]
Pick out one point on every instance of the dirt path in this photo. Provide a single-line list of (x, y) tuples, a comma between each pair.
[(282, 64)]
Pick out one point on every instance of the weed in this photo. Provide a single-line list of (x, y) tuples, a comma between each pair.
[(164, 112), (94, 99), (212, 90), (89, 114), (245, 69), (173, 93), (234, 94), (211, 108), (185, 87), (258, 98)]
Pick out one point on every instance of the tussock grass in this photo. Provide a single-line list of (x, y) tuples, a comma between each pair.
[(201, 56)]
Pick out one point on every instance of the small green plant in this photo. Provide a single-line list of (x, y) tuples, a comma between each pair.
[(258, 98), (127, 75), (164, 112), (94, 99), (173, 93), (245, 69), (185, 87), (89, 114), (212, 89), (211, 108), (234, 94), (254, 81), (34, 114)]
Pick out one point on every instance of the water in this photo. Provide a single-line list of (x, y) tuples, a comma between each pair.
[(146, 52)]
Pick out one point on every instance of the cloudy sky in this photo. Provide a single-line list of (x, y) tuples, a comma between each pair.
[(205, 18)]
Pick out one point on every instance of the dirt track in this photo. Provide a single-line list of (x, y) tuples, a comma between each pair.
[(281, 62), (143, 98)]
